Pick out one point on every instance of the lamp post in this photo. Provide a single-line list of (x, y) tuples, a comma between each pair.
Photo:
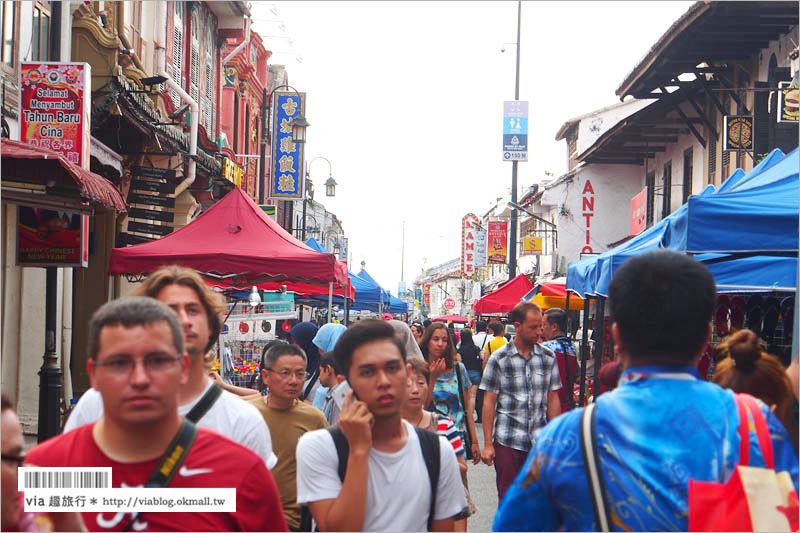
[(299, 125), (330, 187), (512, 249)]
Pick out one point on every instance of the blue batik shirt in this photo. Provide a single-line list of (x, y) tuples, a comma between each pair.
[(661, 426)]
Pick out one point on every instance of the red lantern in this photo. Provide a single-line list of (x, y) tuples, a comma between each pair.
[(286, 326)]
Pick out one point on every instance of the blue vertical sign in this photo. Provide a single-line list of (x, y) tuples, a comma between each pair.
[(515, 130), (286, 162)]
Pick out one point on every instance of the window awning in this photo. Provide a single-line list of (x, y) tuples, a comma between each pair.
[(17, 158)]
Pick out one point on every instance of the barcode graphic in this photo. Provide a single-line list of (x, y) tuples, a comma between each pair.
[(66, 479)]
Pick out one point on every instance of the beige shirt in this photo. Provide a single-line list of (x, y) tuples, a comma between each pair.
[(286, 427)]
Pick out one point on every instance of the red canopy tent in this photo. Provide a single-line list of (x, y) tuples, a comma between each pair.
[(456, 319), (236, 244), (505, 297)]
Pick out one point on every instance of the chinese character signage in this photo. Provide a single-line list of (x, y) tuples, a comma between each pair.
[(54, 108), (470, 225), (532, 246), (286, 166), (481, 255), (788, 102), (427, 294), (48, 238), (639, 212), (737, 133), (232, 172), (515, 130), (498, 242)]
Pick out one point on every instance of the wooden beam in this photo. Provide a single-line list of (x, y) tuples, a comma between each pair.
[(733, 94), (638, 162), (648, 148), (656, 129), (707, 87), (684, 117), (649, 138), (703, 116)]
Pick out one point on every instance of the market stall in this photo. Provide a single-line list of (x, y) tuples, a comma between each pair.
[(504, 298), (553, 293)]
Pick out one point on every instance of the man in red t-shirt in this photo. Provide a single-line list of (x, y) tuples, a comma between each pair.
[(138, 363)]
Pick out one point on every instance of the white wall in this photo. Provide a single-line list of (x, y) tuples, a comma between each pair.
[(674, 153), (781, 48), (609, 205)]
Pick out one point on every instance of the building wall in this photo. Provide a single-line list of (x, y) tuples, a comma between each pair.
[(604, 193), (674, 154)]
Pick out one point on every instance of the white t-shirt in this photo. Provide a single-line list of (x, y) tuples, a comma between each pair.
[(479, 338), (230, 415), (398, 488)]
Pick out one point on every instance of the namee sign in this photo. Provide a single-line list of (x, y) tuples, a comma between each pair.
[(737, 133), (639, 212), (47, 238), (286, 163), (470, 225), (532, 246), (498, 242), (449, 304), (788, 102), (54, 108), (515, 130)]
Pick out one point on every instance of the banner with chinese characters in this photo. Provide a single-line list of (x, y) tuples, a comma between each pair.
[(498, 242), (532, 246), (737, 133), (48, 238), (788, 102), (427, 294), (470, 225), (286, 165), (54, 108)]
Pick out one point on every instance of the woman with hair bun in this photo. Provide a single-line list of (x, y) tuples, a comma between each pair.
[(746, 367)]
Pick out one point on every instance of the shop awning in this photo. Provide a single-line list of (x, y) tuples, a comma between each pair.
[(456, 319), (21, 161)]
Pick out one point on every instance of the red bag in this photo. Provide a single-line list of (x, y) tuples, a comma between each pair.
[(753, 499)]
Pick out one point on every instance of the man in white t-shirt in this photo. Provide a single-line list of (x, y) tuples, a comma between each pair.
[(200, 310), (386, 483)]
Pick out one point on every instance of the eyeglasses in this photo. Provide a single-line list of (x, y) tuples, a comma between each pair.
[(122, 366), (301, 375), (18, 459)]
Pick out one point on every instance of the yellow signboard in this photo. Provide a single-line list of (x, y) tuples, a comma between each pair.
[(532, 246), (232, 172)]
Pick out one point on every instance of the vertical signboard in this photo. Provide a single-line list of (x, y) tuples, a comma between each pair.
[(498, 242), (515, 130), (286, 164), (470, 224), (54, 108), (481, 248), (639, 212), (788, 102)]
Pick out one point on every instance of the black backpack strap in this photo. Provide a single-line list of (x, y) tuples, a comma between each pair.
[(431, 453), (170, 462), (201, 407), (342, 449)]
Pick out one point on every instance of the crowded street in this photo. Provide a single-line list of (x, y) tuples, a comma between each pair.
[(460, 266)]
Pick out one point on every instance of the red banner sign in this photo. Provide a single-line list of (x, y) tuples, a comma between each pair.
[(54, 108), (470, 225), (498, 242), (52, 238), (639, 212)]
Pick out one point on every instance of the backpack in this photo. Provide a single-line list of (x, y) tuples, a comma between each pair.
[(429, 442)]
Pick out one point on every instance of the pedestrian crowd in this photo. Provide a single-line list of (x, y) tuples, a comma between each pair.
[(372, 427)]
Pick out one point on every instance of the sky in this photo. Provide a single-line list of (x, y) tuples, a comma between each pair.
[(405, 99)]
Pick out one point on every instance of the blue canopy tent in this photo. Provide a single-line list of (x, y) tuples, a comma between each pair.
[(756, 213), (314, 244)]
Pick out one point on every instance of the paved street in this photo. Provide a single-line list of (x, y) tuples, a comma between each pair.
[(484, 492)]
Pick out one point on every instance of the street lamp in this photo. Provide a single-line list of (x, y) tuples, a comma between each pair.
[(299, 125), (330, 186)]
